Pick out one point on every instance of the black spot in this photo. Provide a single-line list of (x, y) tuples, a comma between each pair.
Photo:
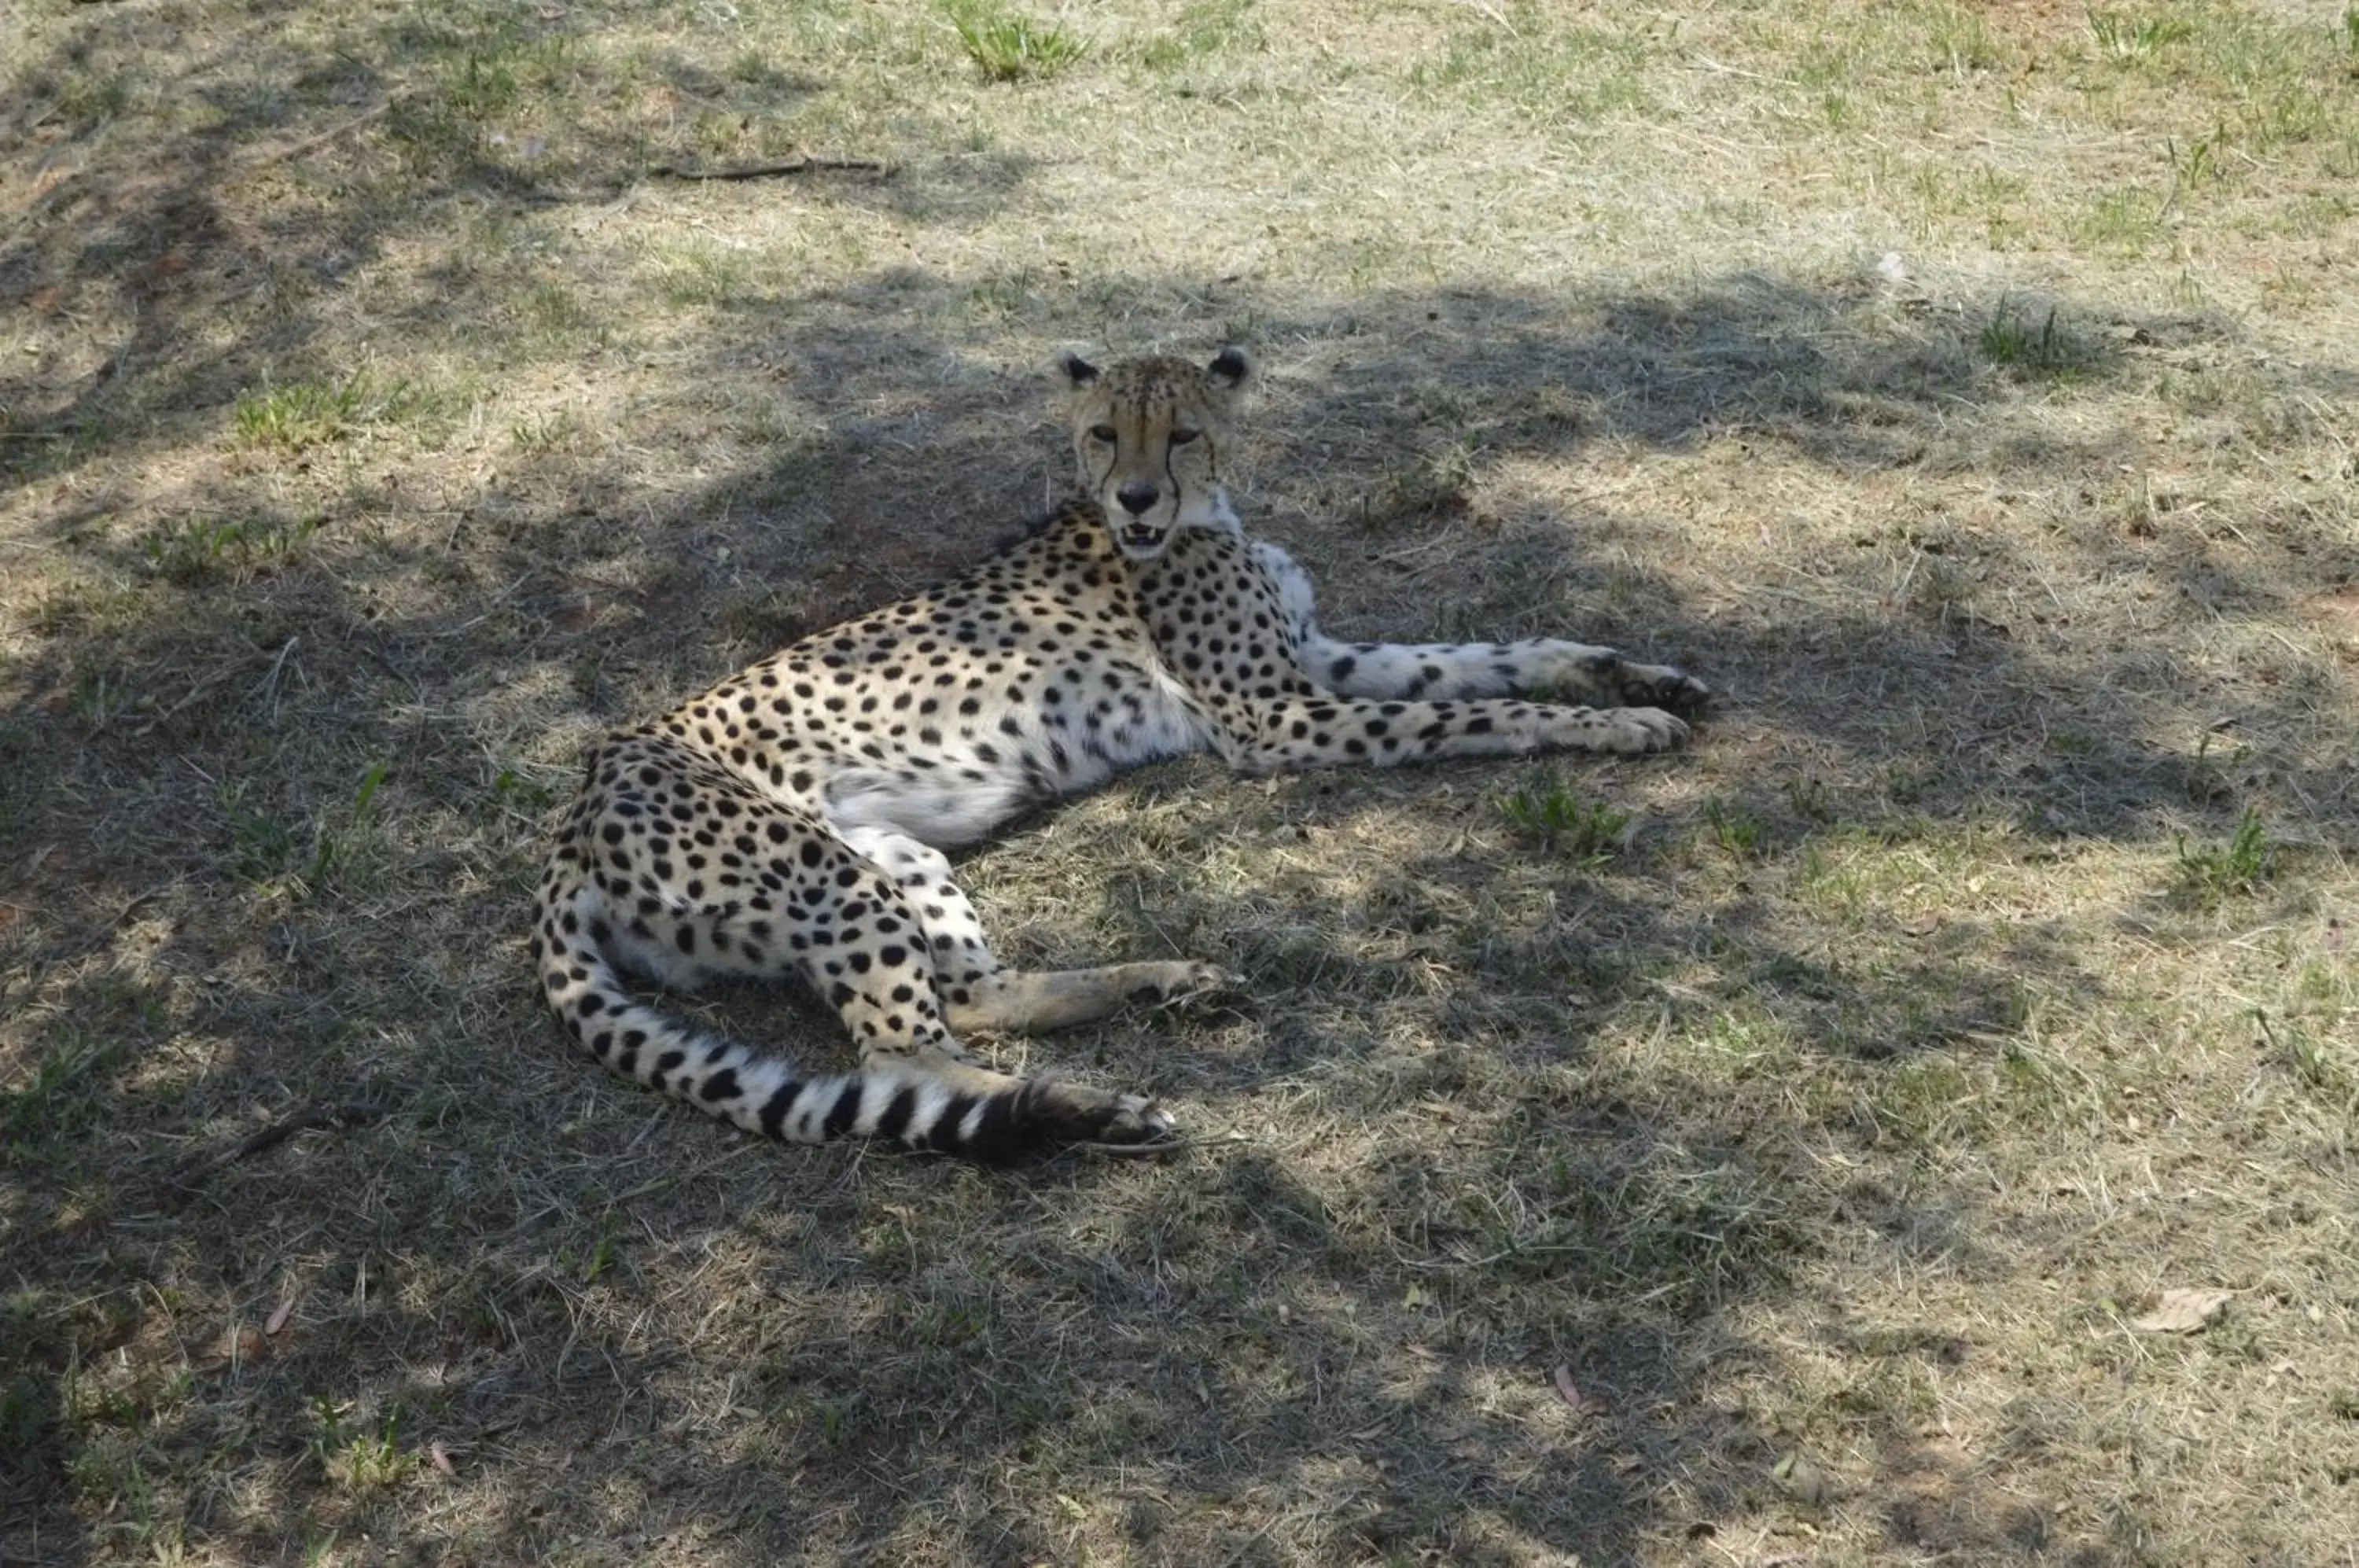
[(721, 1086)]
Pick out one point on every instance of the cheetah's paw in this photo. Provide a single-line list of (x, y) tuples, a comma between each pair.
[(1661, 686), (1186, 981), (1636, 731)]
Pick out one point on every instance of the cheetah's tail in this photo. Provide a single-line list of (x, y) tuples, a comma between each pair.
[(993, 1120)]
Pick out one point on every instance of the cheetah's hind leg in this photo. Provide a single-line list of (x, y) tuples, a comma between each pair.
[(1031, 1000), (682, 871), (982, 995)]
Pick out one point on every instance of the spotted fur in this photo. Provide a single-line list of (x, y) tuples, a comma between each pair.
[(792, 819)]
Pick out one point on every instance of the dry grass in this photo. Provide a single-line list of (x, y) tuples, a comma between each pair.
[(1968, 391)]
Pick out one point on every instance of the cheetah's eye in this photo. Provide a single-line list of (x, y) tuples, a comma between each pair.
[(1102, 432), (1183, 437)]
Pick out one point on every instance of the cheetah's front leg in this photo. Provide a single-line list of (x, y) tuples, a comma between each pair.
[(1397, 671), (1282, 736), (1400, 671)]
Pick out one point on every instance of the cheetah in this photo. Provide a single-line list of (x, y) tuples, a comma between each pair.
[(793, 819)]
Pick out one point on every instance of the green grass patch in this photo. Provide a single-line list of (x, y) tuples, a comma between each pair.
[(1556, 73), (199, 548), (1590, 833), (61, 1099), (364, 1459), (2121, 37), (280, 859), (1204, 28), (2206, 875), (298, 416), (1737, 831), (1007, 46), (2033, 343)]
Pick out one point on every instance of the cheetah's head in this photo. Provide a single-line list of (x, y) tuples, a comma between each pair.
[(1150, 435)]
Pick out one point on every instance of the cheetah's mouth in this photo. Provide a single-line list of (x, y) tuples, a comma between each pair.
[(1140, 542)]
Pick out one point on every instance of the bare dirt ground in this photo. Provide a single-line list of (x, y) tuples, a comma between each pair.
[(1770, 1154)]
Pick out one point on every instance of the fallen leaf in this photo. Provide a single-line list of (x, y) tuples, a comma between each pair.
[(440, 1457), (278, 1316), (1569, 1392), (2179, 1311)]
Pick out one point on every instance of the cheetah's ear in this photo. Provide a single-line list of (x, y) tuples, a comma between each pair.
[(1078, 371), (1231, 368)]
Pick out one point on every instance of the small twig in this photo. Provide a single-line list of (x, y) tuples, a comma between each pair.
[(1708, 63), (770, 170), (267, 687), (313, 142), (1495, 16), (346, 1117)]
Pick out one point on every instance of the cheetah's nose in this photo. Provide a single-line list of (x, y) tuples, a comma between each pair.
[(1135, 496)]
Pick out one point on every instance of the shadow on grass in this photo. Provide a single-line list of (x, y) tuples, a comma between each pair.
[(1265, 1350), (162, 288)]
